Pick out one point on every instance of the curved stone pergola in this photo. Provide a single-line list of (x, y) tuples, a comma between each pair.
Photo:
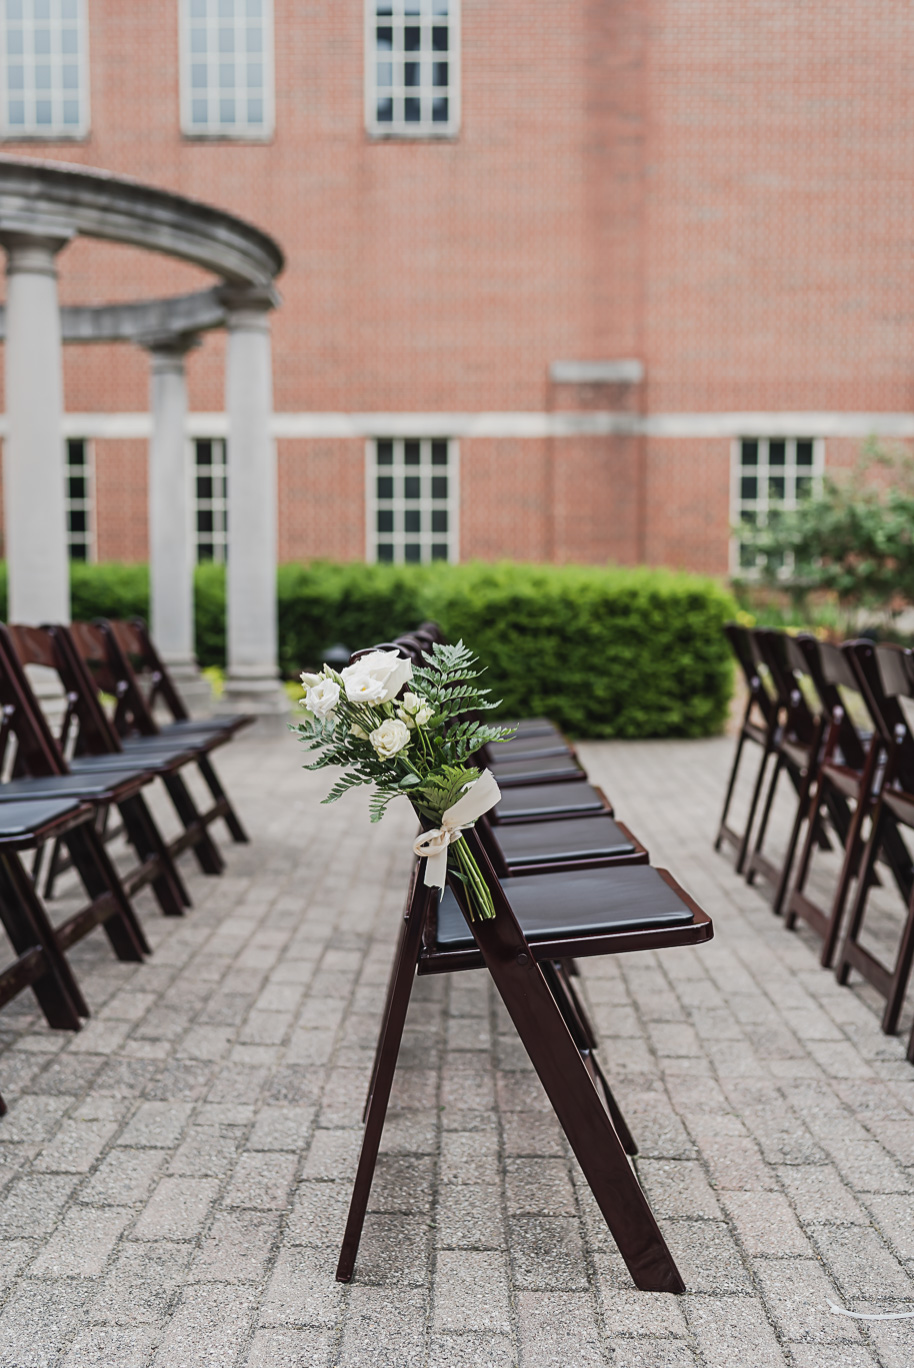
[(43, 206)]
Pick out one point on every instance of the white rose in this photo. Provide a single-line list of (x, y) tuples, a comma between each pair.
[(390, 737), (322, 697), (376, 678)]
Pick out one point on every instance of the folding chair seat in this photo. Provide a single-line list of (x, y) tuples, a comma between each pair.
[(797, 747), (568, 843), (540, 921), (539, 802), (89, 660), (759, 725), (138, 647), (41, 770), (848, 772), (887, 676)]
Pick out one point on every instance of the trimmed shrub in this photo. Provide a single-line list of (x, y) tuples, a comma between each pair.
[(603, 651)]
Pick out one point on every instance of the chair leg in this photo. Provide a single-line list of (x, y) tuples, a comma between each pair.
[(386, 1062), (580, 1112), (763, 824), (147, 841), (721, 826), (900, 975), (99, 877), (208, 857), (802, 815), (799, 883), (851, 861), (26, 923), (756, 794), (232, 820), (583, 1035)]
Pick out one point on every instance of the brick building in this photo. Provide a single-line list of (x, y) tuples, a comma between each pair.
[(581, 281)]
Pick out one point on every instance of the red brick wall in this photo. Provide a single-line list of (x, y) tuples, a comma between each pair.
[(120, 488), (721, 188)]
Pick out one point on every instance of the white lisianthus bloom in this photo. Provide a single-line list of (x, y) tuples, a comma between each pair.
[(410, 703), (389, 738), (309, 680), (376, 678), (323, 697), (424, 714)]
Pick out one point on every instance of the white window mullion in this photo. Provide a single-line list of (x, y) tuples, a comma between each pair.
[(227, 82), (44, 70), (412, 68), (412, 500)]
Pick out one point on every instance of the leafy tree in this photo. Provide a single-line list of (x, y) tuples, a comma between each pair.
[(854, 540)]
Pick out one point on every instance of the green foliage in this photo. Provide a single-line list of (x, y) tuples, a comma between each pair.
[(602, 650), (854, 541)]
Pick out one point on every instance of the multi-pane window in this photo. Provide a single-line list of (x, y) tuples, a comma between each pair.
[(412, 500), (770, 473), (210, 506), (412, 61), (44, 89), (78, 499), (227, 68)]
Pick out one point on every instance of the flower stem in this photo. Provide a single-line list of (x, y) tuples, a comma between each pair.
[(477, 888)]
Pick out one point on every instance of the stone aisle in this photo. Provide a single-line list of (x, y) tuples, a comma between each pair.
[(175, 1177)]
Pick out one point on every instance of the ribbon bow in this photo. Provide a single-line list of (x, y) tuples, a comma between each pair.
[(482, 794)]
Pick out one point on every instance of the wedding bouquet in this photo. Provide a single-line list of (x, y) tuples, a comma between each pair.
[(415, 743)]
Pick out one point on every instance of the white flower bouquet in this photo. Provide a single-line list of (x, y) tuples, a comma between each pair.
[(415, 743)]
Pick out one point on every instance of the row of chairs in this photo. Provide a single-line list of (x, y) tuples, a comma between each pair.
[(833, 720), (567, 880), (58, 794)]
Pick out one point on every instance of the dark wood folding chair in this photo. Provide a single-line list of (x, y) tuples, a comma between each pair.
[(138, 648), (759, 725), (847, 773), (887, 675), (540, 921), (797, 747), (108, 781), (95, 664)]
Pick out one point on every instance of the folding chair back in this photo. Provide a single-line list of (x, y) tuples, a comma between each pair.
[(85, 721), (759, 725)]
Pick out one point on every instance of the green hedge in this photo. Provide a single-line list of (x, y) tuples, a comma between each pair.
[(603, 651)]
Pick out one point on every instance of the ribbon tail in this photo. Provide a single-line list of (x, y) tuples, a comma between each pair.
[(436, 869)]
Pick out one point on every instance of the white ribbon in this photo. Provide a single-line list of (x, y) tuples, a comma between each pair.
[(862, 1315), (482, 794)]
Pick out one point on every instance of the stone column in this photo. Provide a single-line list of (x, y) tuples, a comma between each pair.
[(252, 683), (171, 539), (33, 478)]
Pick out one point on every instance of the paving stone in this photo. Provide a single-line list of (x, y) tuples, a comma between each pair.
[(142, 1283), (628, 1312), (82, 1243), (380, 1331), (303, 1289), (557, 1329), (471, 1292), (36, 1320), (860, 1263), (290, 1349), (395, 1250), (262, 1181), (177, 1209), (103, 1346), (730, 1332), (208, 1327), (237, 1247), (797, 1293), (157, 1124), (470, 1217), (539, 1187), (547, 1253), (31, 1205), (678, 1188), (766, 1224)]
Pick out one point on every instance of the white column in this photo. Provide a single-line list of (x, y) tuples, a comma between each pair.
[(33, 479), (252, 683), (171, 542)]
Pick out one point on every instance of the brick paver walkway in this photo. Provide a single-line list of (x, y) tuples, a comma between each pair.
[(174, 1178)]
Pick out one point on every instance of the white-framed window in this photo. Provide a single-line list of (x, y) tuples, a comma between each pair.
[(210, 499), (79, 496), (769, 473), (44, 69), (412, 68), (227, 68), (412, 500)]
